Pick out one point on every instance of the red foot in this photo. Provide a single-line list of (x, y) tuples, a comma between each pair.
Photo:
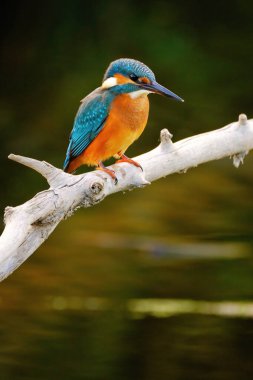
[(124, 158), (108, 171)]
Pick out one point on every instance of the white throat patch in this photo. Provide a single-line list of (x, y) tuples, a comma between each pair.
[(136, 94), (109, 82)]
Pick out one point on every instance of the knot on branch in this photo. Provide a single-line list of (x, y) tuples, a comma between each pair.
[(96, 187), (94, 191)]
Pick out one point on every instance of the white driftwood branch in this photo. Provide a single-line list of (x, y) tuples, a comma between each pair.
[(30, 224)]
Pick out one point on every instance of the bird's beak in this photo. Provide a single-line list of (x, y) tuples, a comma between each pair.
[(158, 89)]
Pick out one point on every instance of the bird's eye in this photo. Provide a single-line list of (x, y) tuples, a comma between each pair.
[(133, 77)]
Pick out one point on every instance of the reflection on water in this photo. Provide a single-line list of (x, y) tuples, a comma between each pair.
[(161, 247), (144, 339), (166, 308), (158, 308)]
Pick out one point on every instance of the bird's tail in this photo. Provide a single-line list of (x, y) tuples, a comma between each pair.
[(67, 160), (70, 165), (66, 166)]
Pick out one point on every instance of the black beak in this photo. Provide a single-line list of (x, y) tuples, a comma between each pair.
[(158, 89)]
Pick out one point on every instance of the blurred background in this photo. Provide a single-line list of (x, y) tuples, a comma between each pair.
[(155, 283)]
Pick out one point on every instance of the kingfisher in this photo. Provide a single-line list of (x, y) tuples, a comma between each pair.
[(113, 116)]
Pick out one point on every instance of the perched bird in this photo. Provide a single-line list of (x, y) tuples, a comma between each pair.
[(113, 116)]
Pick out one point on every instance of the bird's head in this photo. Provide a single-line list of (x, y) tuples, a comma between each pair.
[(133, 77)]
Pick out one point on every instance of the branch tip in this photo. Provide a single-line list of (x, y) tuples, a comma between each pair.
[(12, 157), (50, 172), (242, 119), (141, 181), (165, 136), (8, 212), (238, 158)]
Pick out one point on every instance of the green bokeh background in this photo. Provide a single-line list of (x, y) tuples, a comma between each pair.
[(187, 236), (56, 53)]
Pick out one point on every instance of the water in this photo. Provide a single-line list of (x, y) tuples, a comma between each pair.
[(153, 285)]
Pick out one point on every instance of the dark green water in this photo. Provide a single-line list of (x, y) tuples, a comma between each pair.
[(156, 283), (128, 290)]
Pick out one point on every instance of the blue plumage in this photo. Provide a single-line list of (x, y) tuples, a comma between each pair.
[(95, 109), (89, 121), (128, 66)]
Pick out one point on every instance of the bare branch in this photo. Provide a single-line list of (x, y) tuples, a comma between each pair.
[(53, 175), (30, 224)]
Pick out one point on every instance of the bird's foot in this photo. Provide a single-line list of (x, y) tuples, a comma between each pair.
[(124, 158), (108, 171)]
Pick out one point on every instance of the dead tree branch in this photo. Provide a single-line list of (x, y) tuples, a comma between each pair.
[(27, 226)]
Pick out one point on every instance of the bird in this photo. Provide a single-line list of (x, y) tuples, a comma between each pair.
[(113, 116)]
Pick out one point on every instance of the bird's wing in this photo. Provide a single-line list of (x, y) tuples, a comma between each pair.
[(89, 121)]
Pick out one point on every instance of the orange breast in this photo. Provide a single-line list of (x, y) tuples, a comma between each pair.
[(125, 123)]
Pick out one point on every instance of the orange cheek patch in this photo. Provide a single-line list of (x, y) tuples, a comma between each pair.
[(121, 79), (144, 80)]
